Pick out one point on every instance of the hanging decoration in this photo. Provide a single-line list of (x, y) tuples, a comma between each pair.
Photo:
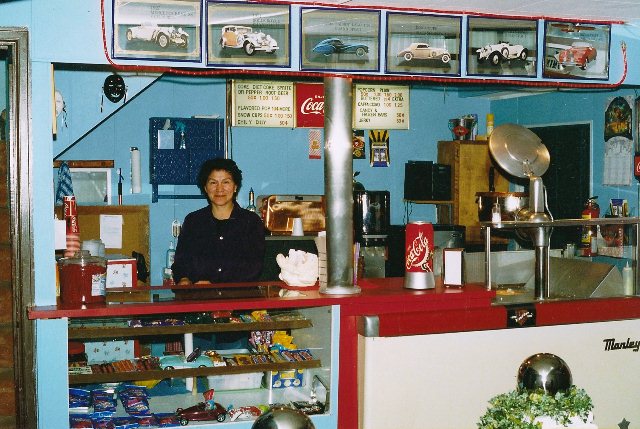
[(618, 146), (315, 146), (379, 148), (114, 89), (358, 144)]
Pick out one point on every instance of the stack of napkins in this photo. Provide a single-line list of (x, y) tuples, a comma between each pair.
[(299, 268), (321, 245)]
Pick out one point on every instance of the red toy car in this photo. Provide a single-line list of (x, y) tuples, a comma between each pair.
[(201, 412), (580, 54)]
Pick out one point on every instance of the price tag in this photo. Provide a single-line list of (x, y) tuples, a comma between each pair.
[(381, 107), (263, 104)]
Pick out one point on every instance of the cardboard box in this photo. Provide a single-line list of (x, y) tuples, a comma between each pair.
[(252, 380), (121, 272), (286, 378)]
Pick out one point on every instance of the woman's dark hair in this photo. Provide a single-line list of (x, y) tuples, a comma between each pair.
[(227, 165)]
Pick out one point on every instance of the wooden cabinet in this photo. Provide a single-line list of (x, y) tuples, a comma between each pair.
[(470, 165)]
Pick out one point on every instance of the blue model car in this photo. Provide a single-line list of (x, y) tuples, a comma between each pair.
[(335, 46), (194, 360)]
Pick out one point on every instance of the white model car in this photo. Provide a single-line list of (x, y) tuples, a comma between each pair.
[(162, 35), (501, 51), (238, 36), (423, 51)]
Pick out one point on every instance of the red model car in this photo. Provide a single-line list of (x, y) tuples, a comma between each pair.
[(580, 54), (201, 412)]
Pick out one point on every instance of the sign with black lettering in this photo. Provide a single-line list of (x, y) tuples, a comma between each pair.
[(263, 104), (381, 107)]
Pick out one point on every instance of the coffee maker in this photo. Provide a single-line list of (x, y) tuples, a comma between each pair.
[(371, 219)]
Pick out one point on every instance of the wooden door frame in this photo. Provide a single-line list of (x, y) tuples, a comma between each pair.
[(19, 172)]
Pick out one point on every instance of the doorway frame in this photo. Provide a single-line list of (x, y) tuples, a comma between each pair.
[(16, 40)]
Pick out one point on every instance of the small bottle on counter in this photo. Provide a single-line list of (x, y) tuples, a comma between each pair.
[(171, 253), (627, 280), (489, 124), (252, 204)]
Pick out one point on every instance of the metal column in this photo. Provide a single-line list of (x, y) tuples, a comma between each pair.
[(338, 179)]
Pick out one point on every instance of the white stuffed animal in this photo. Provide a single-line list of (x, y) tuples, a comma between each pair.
[(299, 268)]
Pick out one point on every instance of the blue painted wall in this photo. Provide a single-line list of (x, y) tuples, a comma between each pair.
[(568, 107)]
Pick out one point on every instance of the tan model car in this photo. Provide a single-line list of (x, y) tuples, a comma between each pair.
[(423, 51), (239, 36)]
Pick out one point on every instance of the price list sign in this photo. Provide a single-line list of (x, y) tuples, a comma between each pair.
[(263, 104), (381, 107)]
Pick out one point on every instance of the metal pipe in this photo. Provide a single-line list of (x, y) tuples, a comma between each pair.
[(541, 287), (338, 185), (487, 257)]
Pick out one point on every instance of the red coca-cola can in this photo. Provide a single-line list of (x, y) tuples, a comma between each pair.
[(419, 256), (70, 207), (71, 214)]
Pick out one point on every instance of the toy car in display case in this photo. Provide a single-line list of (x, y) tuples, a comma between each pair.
[(194, 360), (242, 37), (162, 35), (250, 412), (336, 46), (423, 51), (580, 54), (201, 412), (501, 51)]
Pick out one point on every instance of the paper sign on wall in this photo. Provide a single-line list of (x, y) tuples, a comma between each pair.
[(263, 104), (111, 231), (381, 107)]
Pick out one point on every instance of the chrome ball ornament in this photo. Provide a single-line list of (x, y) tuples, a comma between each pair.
[(280, 417), (546, 372)]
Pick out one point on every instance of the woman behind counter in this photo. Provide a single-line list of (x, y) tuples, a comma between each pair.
[(221, 242)]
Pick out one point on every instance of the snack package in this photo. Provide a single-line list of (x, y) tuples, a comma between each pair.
[(147, 421), (167, 420), (80, 421), (102, 423), (124, 423), (103, 401), (135, 400), (79, 399)]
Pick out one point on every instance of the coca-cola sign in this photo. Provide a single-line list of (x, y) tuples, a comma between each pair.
[(309, 105)]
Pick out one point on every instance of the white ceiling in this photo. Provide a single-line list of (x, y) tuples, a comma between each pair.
[(589, 10)]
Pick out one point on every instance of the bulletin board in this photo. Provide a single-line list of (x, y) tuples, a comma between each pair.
[(135, 228)]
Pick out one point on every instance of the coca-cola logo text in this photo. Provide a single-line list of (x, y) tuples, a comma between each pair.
[(312, 107), (418, 254)]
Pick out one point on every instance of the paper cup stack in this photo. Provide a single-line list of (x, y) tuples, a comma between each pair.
[(321, 245)]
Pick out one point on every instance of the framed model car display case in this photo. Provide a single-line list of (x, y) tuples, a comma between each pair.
[(502, 47), (576, 50), (157, 30), (339, 39), (423, 44), (248, 34)]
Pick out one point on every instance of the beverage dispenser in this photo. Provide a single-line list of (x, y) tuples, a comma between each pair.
[(371, 219)]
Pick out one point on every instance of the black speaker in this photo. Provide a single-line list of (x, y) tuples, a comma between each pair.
[(424, 180)]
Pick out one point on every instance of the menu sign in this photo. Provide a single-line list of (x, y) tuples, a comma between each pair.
[(381, 107), (309, 105), (263, 104)]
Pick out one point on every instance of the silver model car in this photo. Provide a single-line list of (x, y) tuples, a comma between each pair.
[(423, 51), (162, 35), (239, 36), (501, 51)]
